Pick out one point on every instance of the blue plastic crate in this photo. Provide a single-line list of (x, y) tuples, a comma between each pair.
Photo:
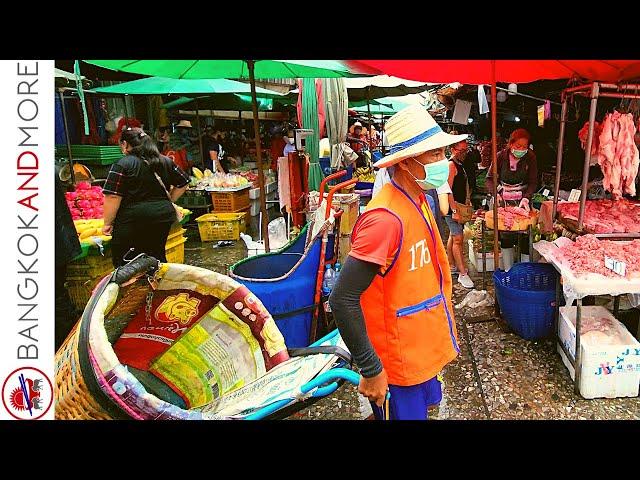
[(526, 295)]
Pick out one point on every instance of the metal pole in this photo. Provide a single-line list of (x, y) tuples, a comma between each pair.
[(484, 258), (622, 86), (595, 90), (563, 123), (200, 135), (66, 136), (369, 113), (126, 112), (256, 126), (577, 88), (494, 163), (620, 95), (577, 366)]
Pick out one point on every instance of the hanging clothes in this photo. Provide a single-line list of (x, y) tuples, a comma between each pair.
[(60, 138)]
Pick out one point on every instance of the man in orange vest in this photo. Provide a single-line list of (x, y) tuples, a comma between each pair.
[(392, 301)]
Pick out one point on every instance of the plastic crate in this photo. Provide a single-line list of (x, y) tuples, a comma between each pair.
[(230, 201), (364, 186), (194, 199), (174, 250), (90, 266), (526, 295), (221, 226), (174, 234)]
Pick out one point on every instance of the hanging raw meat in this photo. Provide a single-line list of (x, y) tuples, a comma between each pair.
[(583, 135), (618, 155)]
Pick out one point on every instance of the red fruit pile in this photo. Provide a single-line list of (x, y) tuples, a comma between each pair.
[(86, 202)]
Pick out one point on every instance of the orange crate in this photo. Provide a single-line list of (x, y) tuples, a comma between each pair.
[(230, 201)]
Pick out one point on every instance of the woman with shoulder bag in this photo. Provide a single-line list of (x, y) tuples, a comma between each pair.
[(139, 193), (460, 212)]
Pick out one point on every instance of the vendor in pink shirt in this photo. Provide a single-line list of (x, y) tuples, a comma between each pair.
[(517, 171)]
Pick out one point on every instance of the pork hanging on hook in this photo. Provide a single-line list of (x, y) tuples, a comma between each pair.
[(618, 155)]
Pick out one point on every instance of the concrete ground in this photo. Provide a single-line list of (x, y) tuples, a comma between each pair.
[(497, 375)]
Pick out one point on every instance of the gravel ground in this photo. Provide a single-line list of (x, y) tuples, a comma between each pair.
[(518, 379)]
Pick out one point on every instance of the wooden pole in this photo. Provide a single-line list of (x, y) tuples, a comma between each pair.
[(256, 126), (200, 136), (66, 136)]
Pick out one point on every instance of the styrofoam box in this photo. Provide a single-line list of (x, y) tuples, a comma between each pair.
[(476, 259), (255, 205), (610, 363), (254, 193)]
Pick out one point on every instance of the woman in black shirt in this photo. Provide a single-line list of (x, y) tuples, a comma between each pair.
[(137, 210)]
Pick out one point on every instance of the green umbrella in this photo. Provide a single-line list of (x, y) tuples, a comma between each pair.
[(169, 86), (251, 69), (383, 105), (207, 69), (223, 101)]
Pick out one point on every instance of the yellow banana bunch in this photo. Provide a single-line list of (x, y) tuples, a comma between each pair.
[(82, 226)]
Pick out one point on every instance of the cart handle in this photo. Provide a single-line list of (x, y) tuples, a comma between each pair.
[(324, 181), (331, 377), (335, 189)]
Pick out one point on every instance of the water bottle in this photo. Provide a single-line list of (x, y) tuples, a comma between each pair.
[(338, 268), (329, 280)]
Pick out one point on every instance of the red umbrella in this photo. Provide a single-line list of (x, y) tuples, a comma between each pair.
[(512, 71)]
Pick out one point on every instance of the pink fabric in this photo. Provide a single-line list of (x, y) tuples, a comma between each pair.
[(513, 162), (299, 104), (284, 189)]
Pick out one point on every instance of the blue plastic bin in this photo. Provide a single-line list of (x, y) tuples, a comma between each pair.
[(325, 165), (527, 295)]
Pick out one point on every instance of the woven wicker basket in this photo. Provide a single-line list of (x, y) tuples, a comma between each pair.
[(87, 370)]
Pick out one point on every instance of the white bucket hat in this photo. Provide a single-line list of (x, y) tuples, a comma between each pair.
[(184, 123), (411, 132)]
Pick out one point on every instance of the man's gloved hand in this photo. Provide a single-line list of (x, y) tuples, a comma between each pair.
[(524, 203)]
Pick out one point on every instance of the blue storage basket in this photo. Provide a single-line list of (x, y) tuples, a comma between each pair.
[(526, 295), (325, 165)]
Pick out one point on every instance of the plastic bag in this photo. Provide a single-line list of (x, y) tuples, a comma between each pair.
[(476, 299), (277, 233)]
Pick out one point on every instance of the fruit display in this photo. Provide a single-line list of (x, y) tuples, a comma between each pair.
[(221, 181), (251, 178), (197, 173), (86, 202), (538, 235), (90, 231), (365, 174), (184, 211)]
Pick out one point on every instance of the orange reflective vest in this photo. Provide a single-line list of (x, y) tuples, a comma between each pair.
[(407, 307)]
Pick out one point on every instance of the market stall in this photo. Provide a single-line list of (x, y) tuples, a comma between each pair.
[(608, 267)]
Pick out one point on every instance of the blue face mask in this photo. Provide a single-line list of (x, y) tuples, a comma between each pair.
[(435, 174)]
